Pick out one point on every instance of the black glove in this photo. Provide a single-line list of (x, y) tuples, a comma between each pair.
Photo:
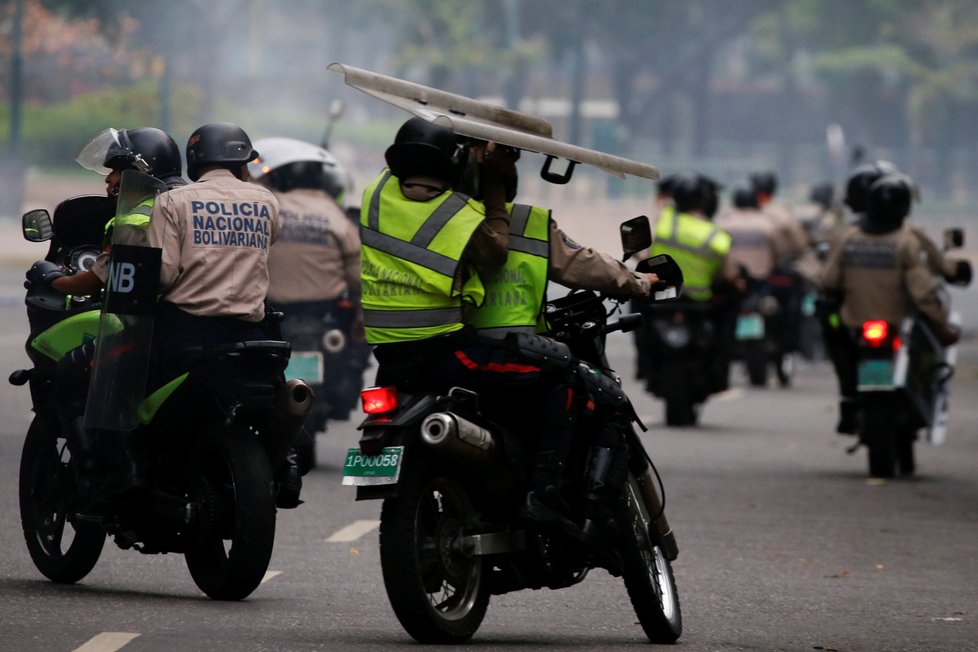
[(962, 274), (42, 273)]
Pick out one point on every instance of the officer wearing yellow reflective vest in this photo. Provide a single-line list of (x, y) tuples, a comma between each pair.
[(701, 249), (515, 295), (420, 240)]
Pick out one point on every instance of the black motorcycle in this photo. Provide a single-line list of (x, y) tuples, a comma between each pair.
[(453, 480), (211, 439)]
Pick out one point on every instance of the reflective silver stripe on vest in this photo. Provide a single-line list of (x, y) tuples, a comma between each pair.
[(142, 210), (702, 250), (519, 217), (414, 251), (438, 219), (432, 260), (411, 318)]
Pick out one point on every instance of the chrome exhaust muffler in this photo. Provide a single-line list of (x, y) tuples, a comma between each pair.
[(453, 434)]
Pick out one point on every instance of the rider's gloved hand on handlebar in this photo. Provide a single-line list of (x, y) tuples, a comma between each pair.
[(42, 273)]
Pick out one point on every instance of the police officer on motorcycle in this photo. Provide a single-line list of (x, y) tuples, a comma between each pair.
[(877, 269), (111, 152), (701, 249), (314, 267)]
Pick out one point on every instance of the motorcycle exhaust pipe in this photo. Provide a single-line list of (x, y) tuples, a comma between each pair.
[(334, 340), (653, 501), (457, 436), (293, 404)]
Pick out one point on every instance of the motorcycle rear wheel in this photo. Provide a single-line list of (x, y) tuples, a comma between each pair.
[(879, 435), (647, 572), (756, 361), (232, 491), (438, 594), (63, 550)]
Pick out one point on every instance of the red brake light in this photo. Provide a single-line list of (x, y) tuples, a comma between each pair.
[(378, 400), (874, 332)]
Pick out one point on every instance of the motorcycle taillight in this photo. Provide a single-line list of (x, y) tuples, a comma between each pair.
[(379, 400), (874, 332)]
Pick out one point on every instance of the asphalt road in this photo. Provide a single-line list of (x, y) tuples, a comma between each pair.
[(784, 544)]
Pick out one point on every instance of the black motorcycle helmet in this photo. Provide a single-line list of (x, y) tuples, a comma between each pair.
[(147, 150), (744, 197), (711, 195), (423, 148), (765, 182), (218, 144), (888, 203), (822, 194), (688, 193), (861, 180)]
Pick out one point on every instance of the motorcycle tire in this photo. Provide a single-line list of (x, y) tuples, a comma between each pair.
[(231, 487), (905, 451), (680, 412), (784, 365), (755, 359), (438, 594), (647, 572), (879, 437), (63, 550)]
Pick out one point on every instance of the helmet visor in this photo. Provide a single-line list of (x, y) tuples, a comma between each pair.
[(103, 148), (276, 152)]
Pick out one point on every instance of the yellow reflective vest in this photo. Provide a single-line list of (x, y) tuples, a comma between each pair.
[(409, 260), (698, 247), (515, 292)]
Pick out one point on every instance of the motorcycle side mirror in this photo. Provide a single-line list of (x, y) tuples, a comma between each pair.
[(636, 235), (670, 285), (953, 238), (37, 225), (557, 177)]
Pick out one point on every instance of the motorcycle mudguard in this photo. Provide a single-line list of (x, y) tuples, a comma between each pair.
[(121, 364)]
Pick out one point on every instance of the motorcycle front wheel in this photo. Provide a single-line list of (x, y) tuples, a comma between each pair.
[(647, 572), (63, 549), (438, 592), (233, 530)]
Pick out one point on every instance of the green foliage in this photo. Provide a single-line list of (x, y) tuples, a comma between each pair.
[(53, 134)]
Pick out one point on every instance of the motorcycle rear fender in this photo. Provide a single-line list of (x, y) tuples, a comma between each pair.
[(388, 429)]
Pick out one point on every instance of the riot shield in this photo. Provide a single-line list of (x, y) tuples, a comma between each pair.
[(476, 119), (122, 352)]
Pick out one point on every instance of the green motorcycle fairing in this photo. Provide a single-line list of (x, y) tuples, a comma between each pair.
[(69, 333)]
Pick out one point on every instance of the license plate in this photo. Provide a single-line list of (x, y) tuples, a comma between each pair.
[(750, 327), (305, 365), (383, 468), (875, 373)]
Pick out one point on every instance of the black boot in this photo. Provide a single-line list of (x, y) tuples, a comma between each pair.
[(848, 421), (605, 473), (289, 481), (82, 445), (545, 506), (122, 454)]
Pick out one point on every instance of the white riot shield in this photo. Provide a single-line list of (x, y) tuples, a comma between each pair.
[(937, 432), (122, 353), (475, 119)]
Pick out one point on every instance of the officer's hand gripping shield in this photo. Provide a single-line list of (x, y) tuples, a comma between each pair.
[(122, 353)]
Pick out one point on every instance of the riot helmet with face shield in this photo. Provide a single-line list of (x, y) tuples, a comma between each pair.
[(288, 163), (146, 149)]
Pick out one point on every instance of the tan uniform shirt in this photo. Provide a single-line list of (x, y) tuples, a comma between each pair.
[(215, 236), (882, 276), (791, 237), (577, 267), (753, 240), (937, 261), (317, 257)]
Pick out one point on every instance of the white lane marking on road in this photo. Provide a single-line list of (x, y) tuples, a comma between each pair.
[(106, 642), (269, 575), (730, 395), (353, 531)]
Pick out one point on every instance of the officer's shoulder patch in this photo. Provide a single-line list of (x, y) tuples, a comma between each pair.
[(568, 241)]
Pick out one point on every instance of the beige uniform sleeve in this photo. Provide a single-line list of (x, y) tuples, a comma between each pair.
[(937, 262), (830, 277), (164, 232), (583, 268), (920, 284), (350, 246)]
